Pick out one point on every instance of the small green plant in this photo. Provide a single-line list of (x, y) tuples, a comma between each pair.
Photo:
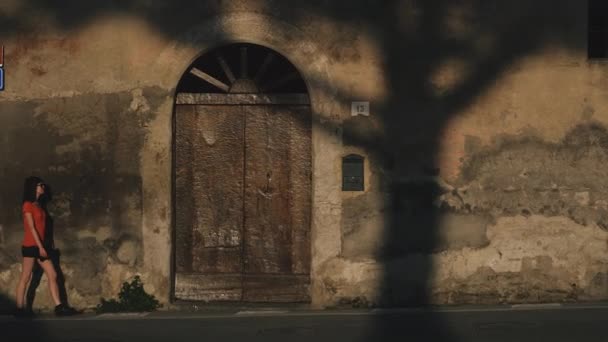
[(132, 298)]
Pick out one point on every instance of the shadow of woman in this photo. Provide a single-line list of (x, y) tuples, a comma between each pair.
[(55, 257)]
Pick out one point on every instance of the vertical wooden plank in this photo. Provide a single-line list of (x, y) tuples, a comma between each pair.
[(218, 189), (300, 156), (278, 204), (268, 238), (209, 148), (209, 188)]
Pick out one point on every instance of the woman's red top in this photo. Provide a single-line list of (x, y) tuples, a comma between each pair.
[(39, 216)]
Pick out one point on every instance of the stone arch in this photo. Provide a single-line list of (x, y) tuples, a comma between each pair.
[(309, 58), (242, 178)]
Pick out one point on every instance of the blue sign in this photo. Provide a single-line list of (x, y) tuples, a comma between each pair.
[(1, 79)]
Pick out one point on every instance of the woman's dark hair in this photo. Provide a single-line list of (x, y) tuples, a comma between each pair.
[(29, 188)]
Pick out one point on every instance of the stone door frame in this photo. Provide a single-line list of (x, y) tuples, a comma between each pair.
[(314, 65)]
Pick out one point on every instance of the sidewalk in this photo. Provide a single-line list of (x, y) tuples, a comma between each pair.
[(187, 311)]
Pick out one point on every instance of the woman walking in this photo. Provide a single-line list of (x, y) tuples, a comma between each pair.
[(33, 249)]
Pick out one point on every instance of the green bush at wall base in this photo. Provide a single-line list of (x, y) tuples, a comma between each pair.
[(132, 298)]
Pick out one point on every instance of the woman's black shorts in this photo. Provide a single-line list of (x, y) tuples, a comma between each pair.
[(32, 252)]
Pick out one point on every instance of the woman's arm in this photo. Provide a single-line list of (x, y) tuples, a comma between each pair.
[(30, 222)]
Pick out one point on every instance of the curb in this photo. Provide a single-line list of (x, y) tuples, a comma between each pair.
[(270, 312)]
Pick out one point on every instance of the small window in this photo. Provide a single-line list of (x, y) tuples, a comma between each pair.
[(597, 45), (352, 173)]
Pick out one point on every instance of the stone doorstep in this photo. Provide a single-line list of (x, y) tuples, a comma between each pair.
[(536, 306), (194, 307), (123, 315)]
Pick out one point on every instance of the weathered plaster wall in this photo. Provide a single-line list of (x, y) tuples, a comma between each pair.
[(512, 207), (101, 114), (88, 148), (81, 110)]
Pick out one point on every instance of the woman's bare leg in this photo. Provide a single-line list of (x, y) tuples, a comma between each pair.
[(26, 275), (51, 277)]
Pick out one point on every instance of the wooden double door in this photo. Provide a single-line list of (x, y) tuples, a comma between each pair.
[(242, 202)]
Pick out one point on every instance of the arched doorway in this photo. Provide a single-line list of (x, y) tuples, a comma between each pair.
[(242, 178)]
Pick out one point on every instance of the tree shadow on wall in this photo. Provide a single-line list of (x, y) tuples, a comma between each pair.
[(418, 40)]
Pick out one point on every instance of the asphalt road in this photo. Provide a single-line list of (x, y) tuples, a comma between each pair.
[(536, 323)]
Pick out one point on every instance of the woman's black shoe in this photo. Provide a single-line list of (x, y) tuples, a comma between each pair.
[(64, 310), (23, 313)]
